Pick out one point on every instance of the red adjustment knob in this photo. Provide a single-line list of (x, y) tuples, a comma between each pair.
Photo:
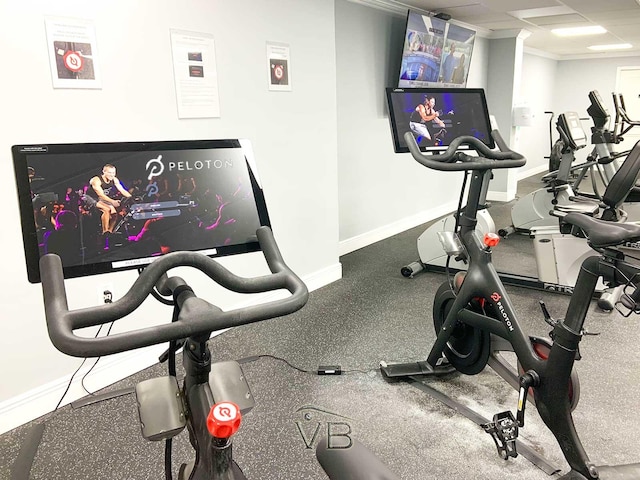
[(223, 419), (491, 239)]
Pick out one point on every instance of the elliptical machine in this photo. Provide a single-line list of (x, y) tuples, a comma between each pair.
[(622, 121), (474, 317), (603, 161), (532, 210)]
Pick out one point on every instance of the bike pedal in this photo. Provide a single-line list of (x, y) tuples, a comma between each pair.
[(504, 431)]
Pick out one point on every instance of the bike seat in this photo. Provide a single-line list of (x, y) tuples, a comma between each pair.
[(602, 233)]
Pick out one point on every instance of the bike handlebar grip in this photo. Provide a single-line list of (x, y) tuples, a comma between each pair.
[(197, 316), (451, 160), (55, 298), (354, 462)]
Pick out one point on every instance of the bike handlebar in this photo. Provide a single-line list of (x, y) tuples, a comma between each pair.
[(452, 160), (196, 315)]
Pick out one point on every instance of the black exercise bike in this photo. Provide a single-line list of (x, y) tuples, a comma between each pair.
[(213, 396), (475, 320)]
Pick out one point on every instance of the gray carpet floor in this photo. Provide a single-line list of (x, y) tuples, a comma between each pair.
[(371, 314)]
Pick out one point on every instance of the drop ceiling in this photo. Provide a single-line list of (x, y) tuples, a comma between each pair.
[(500, 18)]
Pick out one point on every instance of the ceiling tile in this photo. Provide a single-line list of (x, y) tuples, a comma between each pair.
[(619, 17), (508, 5), (569, 20), (593, 6)]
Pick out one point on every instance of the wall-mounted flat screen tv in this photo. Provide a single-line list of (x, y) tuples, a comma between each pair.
[(105, 207), (436, 116), (436, 53)]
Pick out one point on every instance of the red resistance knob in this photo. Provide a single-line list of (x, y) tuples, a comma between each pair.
[(224, 419), (491, 239)]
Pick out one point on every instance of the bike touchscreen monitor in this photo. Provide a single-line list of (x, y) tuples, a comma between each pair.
[(105, 207), (436, 116)]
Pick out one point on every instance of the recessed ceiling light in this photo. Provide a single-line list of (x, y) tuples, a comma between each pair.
[(617, 46), (574, 31)]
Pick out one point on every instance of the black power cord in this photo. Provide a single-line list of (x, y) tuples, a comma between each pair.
[(321, 370)]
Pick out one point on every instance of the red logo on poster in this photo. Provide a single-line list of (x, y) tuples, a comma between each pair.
[(73, 61), (279, 72)]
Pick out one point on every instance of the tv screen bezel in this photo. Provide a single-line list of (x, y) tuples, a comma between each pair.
[(22, 154), (397, 136), (441, 28)]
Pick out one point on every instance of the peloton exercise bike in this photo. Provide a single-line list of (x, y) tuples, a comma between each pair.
[(555, 272), (213, 395), (475, 320), (558, 253)]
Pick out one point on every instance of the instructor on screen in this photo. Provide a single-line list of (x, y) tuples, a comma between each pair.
[(103, 189), (424, 113)]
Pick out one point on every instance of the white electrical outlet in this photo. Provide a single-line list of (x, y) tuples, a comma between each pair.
[(105, 293)]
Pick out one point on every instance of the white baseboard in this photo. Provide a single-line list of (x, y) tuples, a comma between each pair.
[(39, 401), (495, 196), (531, 171), (360, 241)]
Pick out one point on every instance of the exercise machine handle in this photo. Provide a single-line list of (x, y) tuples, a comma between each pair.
[(451, 160), (196, 315), (355, 462)]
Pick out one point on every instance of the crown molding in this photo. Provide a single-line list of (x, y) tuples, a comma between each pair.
[(600, 55), (541, 53), (397, 7), (389, 6)]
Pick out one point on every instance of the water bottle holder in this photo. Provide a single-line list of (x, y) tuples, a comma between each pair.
[(451, 243)]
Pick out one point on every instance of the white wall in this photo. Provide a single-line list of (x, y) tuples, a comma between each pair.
[(537, 91), (479, 68), (293, 134), (381, 193), (576, 78)]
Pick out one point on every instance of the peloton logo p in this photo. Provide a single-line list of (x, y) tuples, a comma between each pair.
[(154, 168)]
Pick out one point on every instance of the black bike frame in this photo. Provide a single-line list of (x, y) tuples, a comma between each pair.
[(214, 458), (482, 280), (194, 320)]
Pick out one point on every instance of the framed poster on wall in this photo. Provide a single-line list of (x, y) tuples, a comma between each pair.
[(73, 53), (279, 66)]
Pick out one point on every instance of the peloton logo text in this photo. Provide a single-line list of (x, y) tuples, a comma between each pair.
[(200, 165), (156, 167), (507, 321)]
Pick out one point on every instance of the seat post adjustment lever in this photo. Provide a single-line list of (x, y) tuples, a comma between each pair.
[(547, 316)]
